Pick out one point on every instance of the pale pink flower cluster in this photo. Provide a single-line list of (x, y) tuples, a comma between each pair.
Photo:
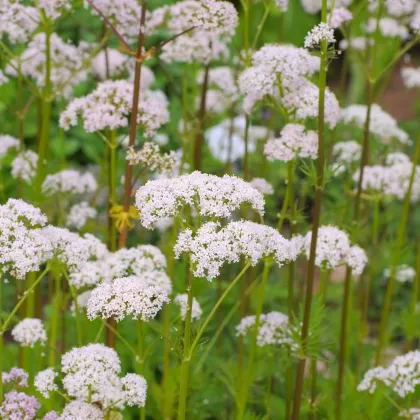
[(212, 246), (210, 195), (81, 410), (339, 16), (29, 331), (17, 21), (321, 32), (24, 166), (261, 185), (182, 301), (294, 141), (19, 406), (79, 215), (400, 8), (53, 8), (109, 106), (69, 181), (7, 143), (16, 376), (67, 63), (389, 28), (273, 329), (126, 296), (402, 376), (382, 125)]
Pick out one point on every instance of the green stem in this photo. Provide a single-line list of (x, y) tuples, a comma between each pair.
[(185, 366), (288, 200), (399, 245), (77, 316), (1, 340), (343, 342), (269, 385), (112, 193), (141, 356), (316, 222), (413, 304), (46, 110), (261, 26), (251, 359)]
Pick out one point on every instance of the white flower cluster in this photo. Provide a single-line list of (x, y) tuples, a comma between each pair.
[(273, 329), (81, 410), (411, 77), (388, 27), (91, 373), (16, 376), (29, 332), (392, 181), (109, 106), (333, 249), (7, 142), (357, 43), (66, 63), (382, 125), (403, 273), (79, 215), (17, 21), (402, 375), (294, 141), (3, 78), (81, 300), (44, 382), (269, 64), (261, 185), (339, 16), (314, 6), (182, 301), (318, 34), (396, 158), (24, 166), (345, 153), (226, 140), (400, 8), (69, 181), (53, 8), (22, 248), (211, 246), (113, 59), (149, 157), (126, 296), (123, 14), (212, 196)]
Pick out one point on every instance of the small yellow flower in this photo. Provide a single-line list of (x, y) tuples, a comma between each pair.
[(124, 219)]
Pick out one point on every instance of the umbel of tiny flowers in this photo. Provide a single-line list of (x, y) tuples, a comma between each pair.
[(209, 195), (182, 301), (403, 273), (16, 376), (29, 332), (273, 329), (321, 32), (18, 405), (126, 296), (212, 246), (69, 182), (44, 382)]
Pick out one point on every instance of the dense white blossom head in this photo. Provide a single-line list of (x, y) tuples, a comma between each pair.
[(182, 301), (294, 141), (7, 143), (382, 125), (388, 27), (212, 196), (411, 77), (109, 106), (69, 181), (261, 185), (318, 34), (17, 210), (81, 410), (29, 331), (339, 16), (79, 215), (403, 273), (91, 373), (211, 246), (332, 247), (402, 376), (345, 154), (24, 166), (126, 296), (273, 329), (16, 376), (356, 259), (44, 382), (134, 389)]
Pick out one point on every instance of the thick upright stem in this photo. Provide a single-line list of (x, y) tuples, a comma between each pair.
[(53, 348), (413, 304), (199, 137), (399, 245), (112, 190), (133, 121), (45, 112), (253, 351), (315, 223)]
